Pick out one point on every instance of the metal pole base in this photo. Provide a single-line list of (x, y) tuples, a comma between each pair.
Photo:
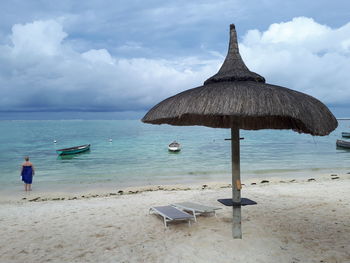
[(236, 222), (236, 184)]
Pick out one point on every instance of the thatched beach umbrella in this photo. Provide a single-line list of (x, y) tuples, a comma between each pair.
[(237, 98)]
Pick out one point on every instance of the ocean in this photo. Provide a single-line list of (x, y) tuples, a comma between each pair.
[(138, 154)]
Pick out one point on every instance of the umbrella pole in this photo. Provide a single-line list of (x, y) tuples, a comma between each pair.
[(236, 184)]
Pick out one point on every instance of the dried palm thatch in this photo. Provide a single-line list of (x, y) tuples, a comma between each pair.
[(237, 97)]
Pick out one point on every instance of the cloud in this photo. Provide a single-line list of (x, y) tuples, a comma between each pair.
[(40, 70), (302, 55), (41, 37)]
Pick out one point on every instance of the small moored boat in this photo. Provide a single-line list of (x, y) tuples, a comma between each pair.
[(174, 147), (345, 134), (343, 144), (74, 150)]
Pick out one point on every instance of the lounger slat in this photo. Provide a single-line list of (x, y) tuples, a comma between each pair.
[(172, 212), (197, 207)]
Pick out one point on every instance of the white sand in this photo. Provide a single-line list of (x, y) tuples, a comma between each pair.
[(293, 222)]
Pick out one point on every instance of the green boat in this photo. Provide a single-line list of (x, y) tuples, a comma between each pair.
[(345, 134), (73, 150)]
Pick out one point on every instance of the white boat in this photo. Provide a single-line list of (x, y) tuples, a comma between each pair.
[(174, 147), (343, 144)]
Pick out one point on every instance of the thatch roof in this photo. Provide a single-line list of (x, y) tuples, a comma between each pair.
[(236, 96), (233, 68)]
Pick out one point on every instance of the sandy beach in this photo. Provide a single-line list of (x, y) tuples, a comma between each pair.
[(294, 221)]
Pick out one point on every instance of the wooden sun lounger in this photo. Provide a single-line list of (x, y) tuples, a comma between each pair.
[(196, 209), (171, 213)]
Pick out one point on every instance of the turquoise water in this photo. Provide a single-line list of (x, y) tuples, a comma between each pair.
[(138, 154)]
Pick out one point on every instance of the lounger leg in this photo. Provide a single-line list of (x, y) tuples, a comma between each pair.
[(165, 222), (194, 215)]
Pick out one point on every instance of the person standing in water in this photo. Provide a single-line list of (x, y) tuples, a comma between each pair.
[(27, 174)]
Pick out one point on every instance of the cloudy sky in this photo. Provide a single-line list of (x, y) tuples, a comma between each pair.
[(126, 56)]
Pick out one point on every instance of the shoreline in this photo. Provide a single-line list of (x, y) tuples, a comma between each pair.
[(42, 196)]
